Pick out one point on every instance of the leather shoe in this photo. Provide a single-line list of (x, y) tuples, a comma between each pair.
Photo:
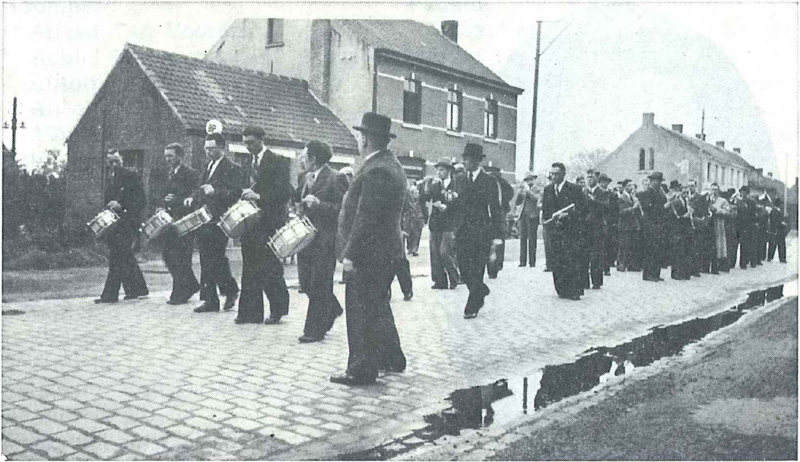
[(273, 320), (135, 296), (523, 265), (104, 300), (595, 287), (438, 286), (206, 308), (176, 302), (347, 379), (230, 301), (650, 279), (246, 321), (574, 297), (309, 339), (407, 297), (470, 315)]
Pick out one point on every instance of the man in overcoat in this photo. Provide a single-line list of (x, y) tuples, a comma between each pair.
[(442, 225), (653, 202), (528, 224), (369, 243), (479, 227), (563, 205)]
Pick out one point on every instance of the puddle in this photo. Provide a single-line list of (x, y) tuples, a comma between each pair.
[(506, 399)]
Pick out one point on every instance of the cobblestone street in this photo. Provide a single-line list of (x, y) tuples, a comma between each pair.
[(145, 380)]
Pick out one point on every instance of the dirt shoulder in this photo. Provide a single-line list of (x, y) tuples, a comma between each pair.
[(736, 400)]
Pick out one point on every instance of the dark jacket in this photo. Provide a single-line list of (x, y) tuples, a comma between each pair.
[(570, 194), (699, 204), (182, 184), (329, 187), (479, 206), (273, 185), (629, 214), (530, 205), (126, 188), (440, 220), (654, 212), (369, 221), (597, 205), (227, 184)]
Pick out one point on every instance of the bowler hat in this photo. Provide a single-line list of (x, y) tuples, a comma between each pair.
[(473, 150), (444, 162), (674, 184), (656, 176), (376, 124)]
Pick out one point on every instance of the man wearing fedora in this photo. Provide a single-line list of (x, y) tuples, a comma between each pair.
[(479, 227), (441, 193), (369, 243), (654, 205), (528, 224)]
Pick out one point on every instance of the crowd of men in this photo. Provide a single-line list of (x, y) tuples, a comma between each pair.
[(591, 228), (362, 218)]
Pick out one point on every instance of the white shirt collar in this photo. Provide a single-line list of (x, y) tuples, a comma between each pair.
[(592, 190), (260, 155), (214, 164), (560, 185), (474, 175), (372, 155), (446, 182)]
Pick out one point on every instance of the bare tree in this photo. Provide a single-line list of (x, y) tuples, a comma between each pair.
[(584, 160)]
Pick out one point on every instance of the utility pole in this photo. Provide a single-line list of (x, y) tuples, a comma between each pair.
[(535, 90), (14, 128), (703, 126)]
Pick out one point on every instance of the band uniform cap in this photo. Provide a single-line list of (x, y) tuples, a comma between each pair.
[(444, 162), (376, 124), (656, 176), (529, 175), (473, 150)]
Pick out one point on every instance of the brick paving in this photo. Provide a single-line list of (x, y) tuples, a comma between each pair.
[(145, 380)]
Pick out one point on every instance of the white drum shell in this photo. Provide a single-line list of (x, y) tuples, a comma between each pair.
[(102, 223), (293, 237), (240, 219), (193, 221), (157, 224)]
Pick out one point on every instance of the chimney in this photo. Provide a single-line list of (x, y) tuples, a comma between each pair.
[(769, 174), (677, 128), (700, 136), (737, 150), (721, 144), (450, 30), (648, 119)]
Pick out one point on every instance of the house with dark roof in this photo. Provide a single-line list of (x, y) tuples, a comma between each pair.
[(152, 98), (678, 156), (437, 94)]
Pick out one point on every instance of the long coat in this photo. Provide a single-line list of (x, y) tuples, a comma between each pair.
[(369, 221)]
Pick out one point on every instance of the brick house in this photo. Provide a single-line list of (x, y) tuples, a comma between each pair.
[(438, 96), (679, 156), (152, 98)]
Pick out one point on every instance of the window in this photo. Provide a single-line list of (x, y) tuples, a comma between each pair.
[(454, 103), (490, 119), (412, 101), (133, 160), (652, 159), (641, 159), (722, 179), (708, 171), (716, 173), (274, 32)]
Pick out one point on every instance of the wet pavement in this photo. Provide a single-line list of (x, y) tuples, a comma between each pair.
[(145, 380)]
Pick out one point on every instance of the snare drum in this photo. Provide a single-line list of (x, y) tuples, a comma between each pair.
[(193, 221), (240, 218), (293, 237), (157, 224), (103, 222)]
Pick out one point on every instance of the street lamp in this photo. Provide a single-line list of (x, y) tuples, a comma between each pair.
[(14, 127)]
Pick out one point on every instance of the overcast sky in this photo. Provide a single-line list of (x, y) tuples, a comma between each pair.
[(610, 64)]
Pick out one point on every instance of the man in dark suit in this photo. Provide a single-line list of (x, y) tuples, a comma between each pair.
[(611, 217), (679, 229), (182, 180), (321, 197), (702, 236), (564, 227), (262, 272), (653, 203), (528, 223), (745, 227), (442, 224), (479, 227), (125, 196), (596, 229), (627, 227), (369, 243), (220, 186), (505, 192)]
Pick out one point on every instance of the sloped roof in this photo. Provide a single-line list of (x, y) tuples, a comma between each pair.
[(720, 154), (421, 41), (199, 91)]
